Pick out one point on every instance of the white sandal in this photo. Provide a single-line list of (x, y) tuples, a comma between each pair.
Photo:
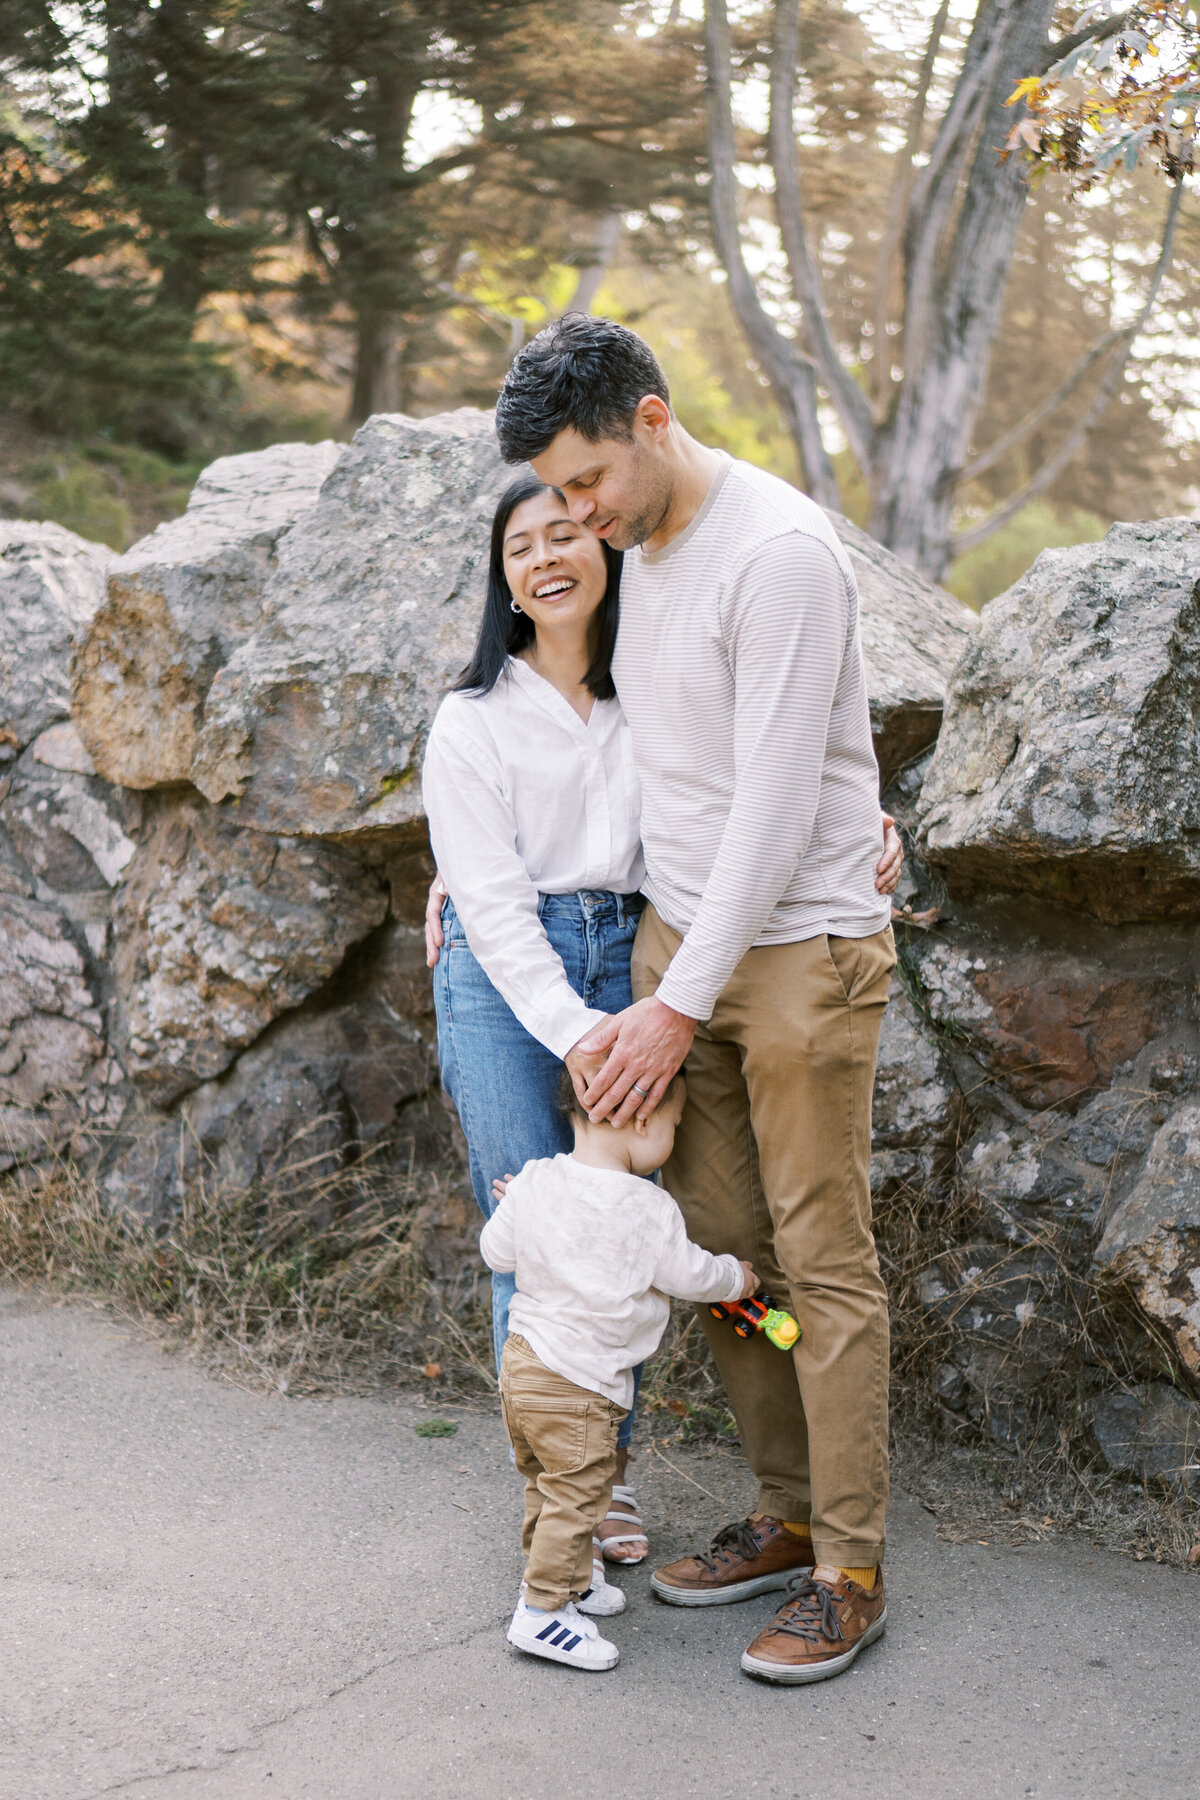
[(623, 1497)]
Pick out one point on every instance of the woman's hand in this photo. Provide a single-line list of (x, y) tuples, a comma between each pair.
[(887, 869), (434, 935)]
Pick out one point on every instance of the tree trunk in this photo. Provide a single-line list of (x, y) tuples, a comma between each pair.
[(789, 371), (959, 249), (592, 272), (377, 367)]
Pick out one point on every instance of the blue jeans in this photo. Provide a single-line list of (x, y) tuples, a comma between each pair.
[(502, 1081)]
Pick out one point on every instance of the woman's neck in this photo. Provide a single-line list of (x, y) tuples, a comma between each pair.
[(563, 659)]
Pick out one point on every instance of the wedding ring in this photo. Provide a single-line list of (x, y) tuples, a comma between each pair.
[(644, 1092)]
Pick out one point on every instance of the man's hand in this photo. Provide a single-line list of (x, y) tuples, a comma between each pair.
[(887, 869), (751, 1284), (434, 935), (646, 1045)]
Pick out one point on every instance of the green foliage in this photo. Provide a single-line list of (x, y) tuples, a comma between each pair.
[(720, 397), (79, 497), (981, 574), (436, 1428), (110, 493)]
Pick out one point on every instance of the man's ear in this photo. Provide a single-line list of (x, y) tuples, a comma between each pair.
[(654, 416)]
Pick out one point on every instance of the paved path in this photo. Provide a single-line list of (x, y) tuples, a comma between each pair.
[(208, 1595)]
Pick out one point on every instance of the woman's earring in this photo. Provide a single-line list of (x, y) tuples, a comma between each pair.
[(515, 607)]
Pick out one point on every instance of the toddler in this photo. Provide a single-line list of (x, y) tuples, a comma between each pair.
[(595, 1247)]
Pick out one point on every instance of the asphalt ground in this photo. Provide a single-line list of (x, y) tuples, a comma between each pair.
[(212, 1595)]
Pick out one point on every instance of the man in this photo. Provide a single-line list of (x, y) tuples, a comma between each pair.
[(763, 956)]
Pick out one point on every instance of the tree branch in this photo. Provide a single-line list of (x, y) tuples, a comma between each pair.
[(1054, 464), (849, 399), (897, 207), (931, 205), (1099, 28), (789, 371), (987, 459)]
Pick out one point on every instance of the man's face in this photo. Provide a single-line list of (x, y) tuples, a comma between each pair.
[(620, 490)]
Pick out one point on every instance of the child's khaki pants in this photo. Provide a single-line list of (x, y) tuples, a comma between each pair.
[(565, 1441)]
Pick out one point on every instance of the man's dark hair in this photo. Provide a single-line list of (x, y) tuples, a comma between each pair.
[(583, 372)]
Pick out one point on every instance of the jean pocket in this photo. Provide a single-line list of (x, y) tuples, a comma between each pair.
[(556, 1431)]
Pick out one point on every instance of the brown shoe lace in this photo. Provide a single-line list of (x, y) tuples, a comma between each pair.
[(730, 1542), (809, 1611)]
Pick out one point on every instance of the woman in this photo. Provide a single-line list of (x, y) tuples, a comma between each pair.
[(533, 806)]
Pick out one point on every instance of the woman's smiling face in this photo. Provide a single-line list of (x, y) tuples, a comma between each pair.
[(555, 568)]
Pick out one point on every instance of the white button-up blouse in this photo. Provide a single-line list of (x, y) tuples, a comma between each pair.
[(523, 798)]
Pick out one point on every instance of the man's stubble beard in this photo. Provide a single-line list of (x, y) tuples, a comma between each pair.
[(643, 525)]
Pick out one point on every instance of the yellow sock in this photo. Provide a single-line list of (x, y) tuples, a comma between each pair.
[(864, 1577), (798, 1527)]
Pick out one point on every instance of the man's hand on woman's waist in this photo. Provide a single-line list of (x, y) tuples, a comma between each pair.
[(434, 935), (643, 1049)]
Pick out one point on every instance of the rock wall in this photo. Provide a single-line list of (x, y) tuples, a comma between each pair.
[(213, 865), (212, 829), (1053, 959)]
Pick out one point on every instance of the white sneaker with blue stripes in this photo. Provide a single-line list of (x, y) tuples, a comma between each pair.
[(603, 1600), (565, 1636)]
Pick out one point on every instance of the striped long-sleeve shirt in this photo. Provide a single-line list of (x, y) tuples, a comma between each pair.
[(739, 668)]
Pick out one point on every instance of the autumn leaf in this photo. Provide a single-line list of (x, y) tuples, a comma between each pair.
[(431, 1371), (1028, 89)]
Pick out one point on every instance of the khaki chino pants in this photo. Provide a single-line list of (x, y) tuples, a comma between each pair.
[(565, 1441), (772, 1163)]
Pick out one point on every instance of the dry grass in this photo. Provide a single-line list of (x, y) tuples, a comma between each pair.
[(1049, 1476), (315, 1284), (321, 1284)]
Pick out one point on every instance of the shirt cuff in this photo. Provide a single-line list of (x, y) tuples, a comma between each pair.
[(687, 994), (563, 1028), (735, 1291)]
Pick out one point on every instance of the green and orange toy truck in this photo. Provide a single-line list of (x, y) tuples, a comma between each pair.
[(759, 1314)]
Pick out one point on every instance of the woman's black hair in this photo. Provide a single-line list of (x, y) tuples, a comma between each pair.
[(503, 632)]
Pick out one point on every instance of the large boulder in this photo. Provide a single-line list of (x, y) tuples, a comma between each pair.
[(1152, 1243), (56, 1077), (345, 1078), (918, 1105), (73, 831), (317, 725), (51, 583), (913, 634), (1052, 1024), (1151, 1433), (1066, 765), (178, 605), (218, 931)]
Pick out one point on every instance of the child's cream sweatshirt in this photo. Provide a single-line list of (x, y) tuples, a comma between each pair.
[(595, 1252)]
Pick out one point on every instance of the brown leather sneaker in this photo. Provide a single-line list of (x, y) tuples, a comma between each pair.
[(818, 1631), (753, 1556)]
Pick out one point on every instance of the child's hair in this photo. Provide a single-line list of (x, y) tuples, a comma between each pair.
[(570, 1105)]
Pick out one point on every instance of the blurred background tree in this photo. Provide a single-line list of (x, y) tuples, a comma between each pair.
[(228, 221)]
